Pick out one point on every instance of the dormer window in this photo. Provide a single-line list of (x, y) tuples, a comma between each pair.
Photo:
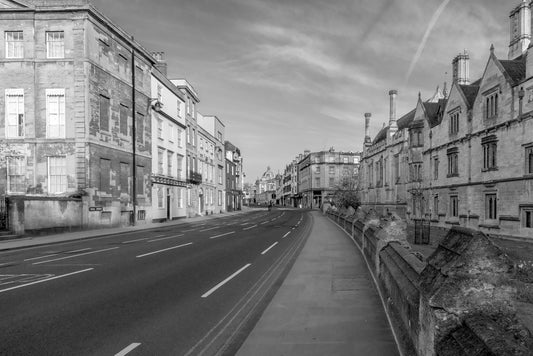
[(454, 123), (417, 139)]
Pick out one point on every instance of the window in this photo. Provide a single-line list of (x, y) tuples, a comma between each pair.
[(529, 159), (180, 198), (331, 182), (124, 178), (331, 159), (105, 175), (527, 217), (416, 138), (55, 44), (139, 127), (397, 168), (489, 152), (14, 44), (454, 206), (453, 162), (331, 170), (160, 197), (14, 113), (139, 184), (170, 132), (123, 120), (160, 158), (454, 123), (219, 136), (57, 175), (317, 159), (104, 113), (219, 198), (170, 160), (435, 168), (16, 174), (317, 169), (220, 174), (180, 132), (416, 172), (193, 138), (160, 129), (436, 206), (345, 160), (180, 168), (178, 106), (491, 208), (491, 105), (55, 113), (188, 134), (317, 182), (356, 160)]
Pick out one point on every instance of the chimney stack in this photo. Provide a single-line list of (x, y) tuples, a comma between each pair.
[(392, 118), (367, 126), (461, 69), (520, 34), (161, 64)]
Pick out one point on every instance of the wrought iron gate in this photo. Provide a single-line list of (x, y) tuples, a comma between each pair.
[(422, 231), (4, 222)]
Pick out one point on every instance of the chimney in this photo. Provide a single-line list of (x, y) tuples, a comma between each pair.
[(520, 34), (461, 69), (367, 127), (392, 118), (161, 64), (307, 152)]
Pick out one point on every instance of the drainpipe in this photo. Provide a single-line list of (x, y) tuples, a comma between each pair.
[(133, 132)]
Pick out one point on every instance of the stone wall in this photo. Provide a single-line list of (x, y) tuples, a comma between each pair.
[(460, 301)]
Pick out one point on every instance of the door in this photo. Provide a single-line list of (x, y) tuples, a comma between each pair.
[(168, 205), (3, 213)]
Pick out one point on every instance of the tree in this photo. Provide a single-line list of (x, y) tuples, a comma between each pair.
[(345, 194)]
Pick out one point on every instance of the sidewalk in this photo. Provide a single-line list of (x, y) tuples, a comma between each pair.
[(87, 234), (327, 305)]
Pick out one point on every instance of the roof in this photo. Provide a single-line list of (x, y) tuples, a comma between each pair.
[(402, 122), (434, 111), (515, 68), (470, 92)]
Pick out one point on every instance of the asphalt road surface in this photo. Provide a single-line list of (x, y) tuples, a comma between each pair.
[(191, 289)]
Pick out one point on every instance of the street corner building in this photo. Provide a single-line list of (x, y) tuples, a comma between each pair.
[(92, 131), (464, 157)]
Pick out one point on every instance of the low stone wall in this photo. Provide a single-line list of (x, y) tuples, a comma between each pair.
[(417, 291)]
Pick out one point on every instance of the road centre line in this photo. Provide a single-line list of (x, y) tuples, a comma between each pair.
[(79, 254), (41, 257), (137, 240), (251, 227), (270, 248), (287, 234), (189, 230), (163, 250), (227, 233), (211, 228), (212, 290), (128, 349), (80, 250), (265, 222), (46, 280), (165, 238)]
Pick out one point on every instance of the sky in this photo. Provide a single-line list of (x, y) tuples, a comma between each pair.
[(292, 75)]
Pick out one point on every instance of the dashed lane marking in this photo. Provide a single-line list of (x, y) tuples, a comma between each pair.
[(137, 240), (163, 250), (251, 227), (270, 248), (80, 250), (287, 234), (227, 233), (41, 257), (211, 228), (165, 238), (73, 256), (212, 290), (45, 280), (128, 349)]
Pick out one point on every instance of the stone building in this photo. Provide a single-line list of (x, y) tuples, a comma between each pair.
[(194, 177), (206, 161), (471, 154), (169, 184), (75, 134), (216, 129), (321, 172), (234, 177), (265, 187)]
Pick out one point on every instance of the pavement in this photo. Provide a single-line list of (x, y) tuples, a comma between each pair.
[(327, 304)]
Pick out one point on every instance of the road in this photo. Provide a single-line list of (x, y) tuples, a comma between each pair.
[(189, 289)]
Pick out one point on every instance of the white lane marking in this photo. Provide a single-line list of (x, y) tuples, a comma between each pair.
[(46, 280), (212, 290), (166, 249), (270, 248), (245, 224), (165, 238), (227, 233), (79, 254), (128, 349), (132, 241), (265, 222), (287, 234), (211, 228), (41, 257), (188, 230), (80, 250), (251, 227)]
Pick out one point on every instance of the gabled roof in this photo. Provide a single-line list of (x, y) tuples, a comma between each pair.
[(434, 111), (402, 123), (516, 69), (470, 92)]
